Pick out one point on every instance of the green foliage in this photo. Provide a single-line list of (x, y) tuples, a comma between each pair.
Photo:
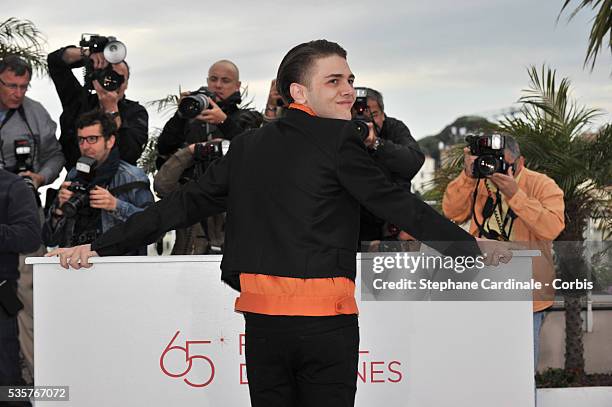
[(21, 37), (602, 26), (552, 131), (563, 378)]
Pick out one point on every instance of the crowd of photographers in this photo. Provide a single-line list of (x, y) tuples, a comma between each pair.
[(103, 134)]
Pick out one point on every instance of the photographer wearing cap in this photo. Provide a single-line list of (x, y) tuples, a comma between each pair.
[(19, 233), (210, 112), (393, 149), (100, 192), (504, 200), (130, 117)]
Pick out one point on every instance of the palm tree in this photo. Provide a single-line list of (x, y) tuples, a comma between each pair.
[(554, 136), (21, 37), (602, 26), (553, 132)]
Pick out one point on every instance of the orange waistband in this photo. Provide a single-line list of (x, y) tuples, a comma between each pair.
[(272, 295)]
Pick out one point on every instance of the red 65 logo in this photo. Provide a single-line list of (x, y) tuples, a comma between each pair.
[(205, 373)]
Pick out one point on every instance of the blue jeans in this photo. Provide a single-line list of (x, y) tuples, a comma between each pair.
[(538, 320)]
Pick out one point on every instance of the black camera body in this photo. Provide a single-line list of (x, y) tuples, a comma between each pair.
[(192, 104), (205, 153), (489, 150), (25, 159), (360, 106), (114, 52), (80, 199)]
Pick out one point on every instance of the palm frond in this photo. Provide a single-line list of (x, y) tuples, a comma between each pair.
[(602, 26), (21, 37)]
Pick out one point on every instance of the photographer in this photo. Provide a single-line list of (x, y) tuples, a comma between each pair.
[(211, 112), (88, 204), (28, 146), (19, 233), (393, 149), (511, 204), (130, 117), (205, 237)]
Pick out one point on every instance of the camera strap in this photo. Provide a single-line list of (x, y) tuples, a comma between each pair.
[(498, 211), (481, 230), (7, 117), (22, 114)]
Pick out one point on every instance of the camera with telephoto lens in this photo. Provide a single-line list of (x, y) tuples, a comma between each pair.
[(489, 152), (114, 52), (205, 153), (23, 156), (360, 106), (192, 104), (80, 188)]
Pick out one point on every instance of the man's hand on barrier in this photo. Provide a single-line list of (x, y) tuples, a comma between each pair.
[(75, 257), (494, 251)]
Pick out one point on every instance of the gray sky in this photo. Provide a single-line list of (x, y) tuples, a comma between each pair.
[(433, 61)]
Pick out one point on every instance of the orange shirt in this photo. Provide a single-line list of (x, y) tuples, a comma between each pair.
[(540, 209), (273, 295)]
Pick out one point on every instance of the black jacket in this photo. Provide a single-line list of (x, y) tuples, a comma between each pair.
[(292, 190), (179, 132), (400, 158), (19, 223), (76, 100)]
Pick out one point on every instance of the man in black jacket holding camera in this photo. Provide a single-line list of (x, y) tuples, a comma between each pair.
[(131, 118), (393, 149), (219, 118)]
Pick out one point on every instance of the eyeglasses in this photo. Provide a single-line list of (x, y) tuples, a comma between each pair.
[(89, 139), (14, 86)]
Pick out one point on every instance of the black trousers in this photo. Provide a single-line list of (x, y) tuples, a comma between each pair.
[(302, 361), (10, 369)]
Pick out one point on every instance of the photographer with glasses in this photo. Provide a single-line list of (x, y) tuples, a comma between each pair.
[(29, 148), (100, 192), (27, 133)]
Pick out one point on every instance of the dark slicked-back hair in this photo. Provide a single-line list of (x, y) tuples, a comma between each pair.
[(16, 64), (295, 66), (97, 116)]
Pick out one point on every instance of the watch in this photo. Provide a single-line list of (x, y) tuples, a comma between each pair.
[(377, 143)]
